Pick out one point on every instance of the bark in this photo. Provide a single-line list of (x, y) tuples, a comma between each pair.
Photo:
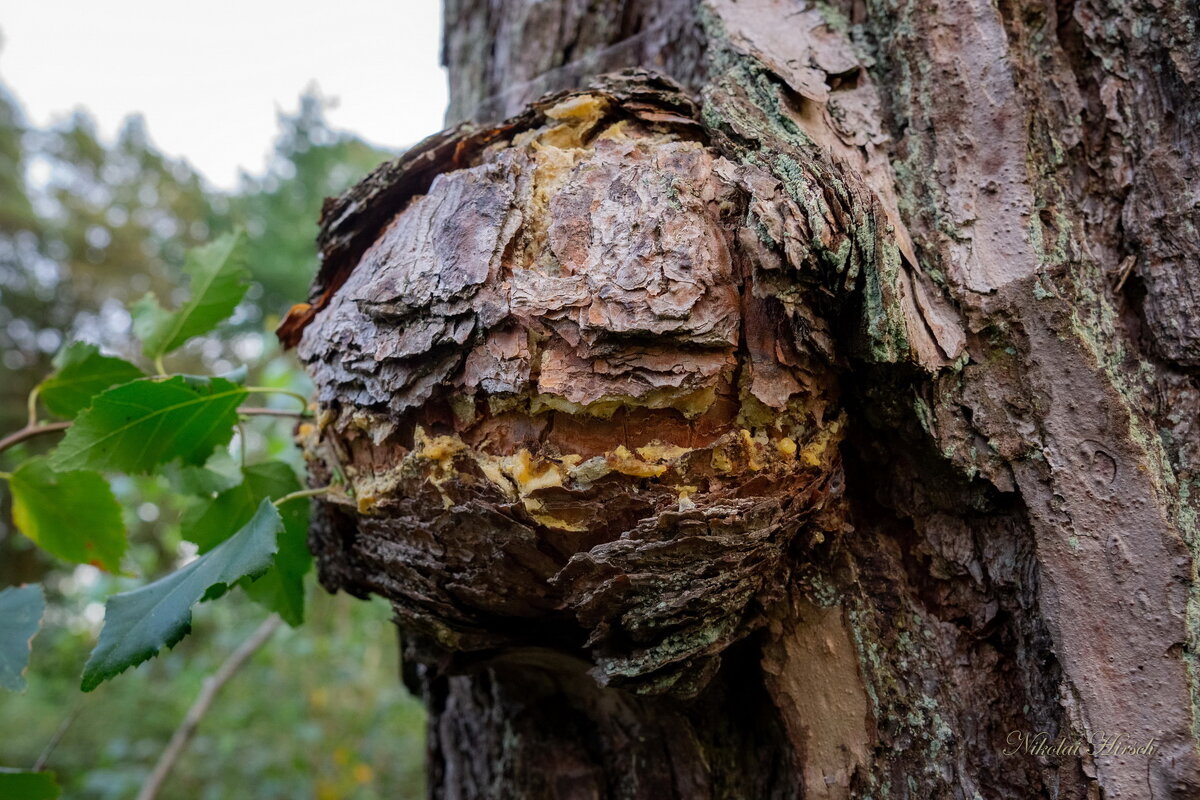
[(751, 399)]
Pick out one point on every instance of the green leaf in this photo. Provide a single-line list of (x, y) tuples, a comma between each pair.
[(139, 623), (20, 617), (281, 588), (209, 524), (28, 786), (219, 279), (81, 374), (140, 425), (199, 481), (72, 515)]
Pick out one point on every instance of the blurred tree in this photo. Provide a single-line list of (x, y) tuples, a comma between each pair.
[(86, 227), (121, 217), (279, 210), (20, 255)]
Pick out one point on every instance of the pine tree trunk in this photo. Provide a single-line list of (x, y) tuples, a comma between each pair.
[(756, 400)]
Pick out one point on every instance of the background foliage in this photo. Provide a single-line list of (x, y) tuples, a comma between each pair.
[(86, 228)]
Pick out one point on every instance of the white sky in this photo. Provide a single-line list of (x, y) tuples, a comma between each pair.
[(210, 76)]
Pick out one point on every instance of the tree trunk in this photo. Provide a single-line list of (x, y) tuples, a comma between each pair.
[(806, 411)]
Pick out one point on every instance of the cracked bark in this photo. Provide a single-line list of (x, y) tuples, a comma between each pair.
[(749, 399)]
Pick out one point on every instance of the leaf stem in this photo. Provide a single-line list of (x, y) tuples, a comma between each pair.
[(241, 427), (273, 412), (269, 390), (31, 404), (5, 476), (302, 493), (158, 365)]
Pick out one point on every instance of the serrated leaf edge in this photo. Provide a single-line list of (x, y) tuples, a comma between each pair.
[(90, 680)]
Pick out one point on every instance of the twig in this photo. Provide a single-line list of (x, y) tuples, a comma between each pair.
[(212, 684), (30, 431), (55, 738), (16, 437)]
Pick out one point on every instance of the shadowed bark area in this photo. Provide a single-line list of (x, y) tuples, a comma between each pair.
[(578, 739), (754, 399)]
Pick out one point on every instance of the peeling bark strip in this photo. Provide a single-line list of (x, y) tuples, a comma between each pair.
[(787, 431)]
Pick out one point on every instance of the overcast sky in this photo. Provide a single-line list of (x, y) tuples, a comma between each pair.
[(209, 77)]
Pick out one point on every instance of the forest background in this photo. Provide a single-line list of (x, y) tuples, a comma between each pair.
[(88, 225)]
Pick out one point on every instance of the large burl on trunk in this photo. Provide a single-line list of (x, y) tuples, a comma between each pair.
[(760, 400)]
